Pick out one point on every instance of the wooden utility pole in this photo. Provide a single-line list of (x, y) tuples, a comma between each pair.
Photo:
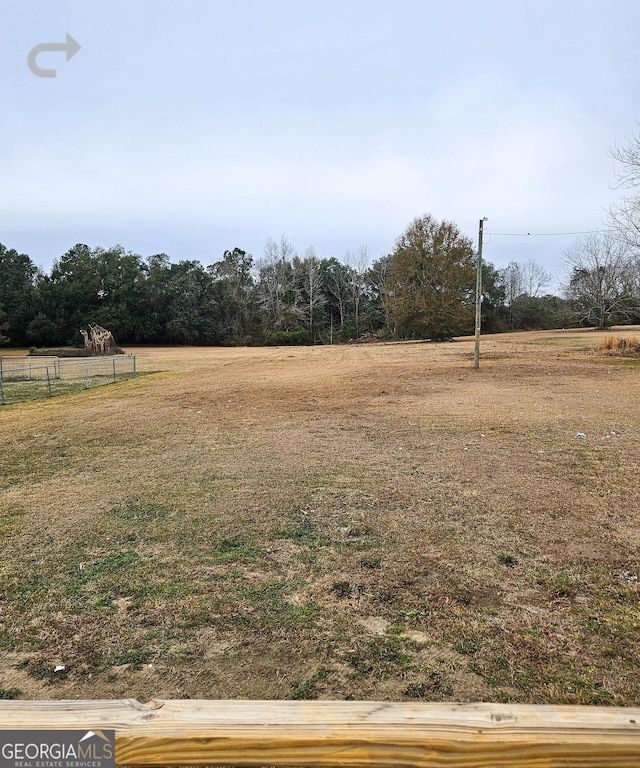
[(476, 356)]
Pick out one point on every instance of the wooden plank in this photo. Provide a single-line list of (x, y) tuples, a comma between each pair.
[(339, 733)]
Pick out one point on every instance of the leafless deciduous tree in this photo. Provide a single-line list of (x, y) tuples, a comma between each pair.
[(535, 278), (358, 262), (624, 216), (522, 280), (337, 283), (527, 277), (276, 278), (309, 294), (603, 284)]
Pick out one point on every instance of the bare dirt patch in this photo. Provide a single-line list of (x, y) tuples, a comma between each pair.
[(368, 521)]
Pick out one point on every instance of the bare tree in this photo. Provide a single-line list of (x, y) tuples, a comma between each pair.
[(337, 281), (535, 278), (513, 282), (310, 295), (527, 277), (275, 277), (511, 278), (358, 262), (522, 281), (625, 215), (603, 281)]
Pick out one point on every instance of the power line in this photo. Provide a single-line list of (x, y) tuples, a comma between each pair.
[(550, 234)]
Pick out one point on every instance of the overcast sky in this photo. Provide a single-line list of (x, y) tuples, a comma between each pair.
[(191, 127)]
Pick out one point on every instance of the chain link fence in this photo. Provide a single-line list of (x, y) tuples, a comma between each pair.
[(31, 377)]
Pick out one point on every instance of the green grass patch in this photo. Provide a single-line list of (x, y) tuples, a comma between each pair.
[(433, 686), (10, 693), (265, 605), (506, 559), (108, 564), (304, 531), (133, 659), (36, 389), (23, 391), (10, 517), (308, 689), (381, 656), (43, 670), (238, 549), (560, 341), (468, 644)]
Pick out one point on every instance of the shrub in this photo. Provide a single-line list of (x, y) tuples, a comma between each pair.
[(288, 338)]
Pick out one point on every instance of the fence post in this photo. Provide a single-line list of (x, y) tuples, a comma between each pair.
[(48, 380), (114, 370), (30, 371), (134, 365), (86, 375), (1, 387)]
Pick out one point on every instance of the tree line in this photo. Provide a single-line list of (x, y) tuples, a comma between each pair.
[(280, 298), (423, 289)]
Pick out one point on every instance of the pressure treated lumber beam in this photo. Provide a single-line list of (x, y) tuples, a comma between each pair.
[(346, 733)]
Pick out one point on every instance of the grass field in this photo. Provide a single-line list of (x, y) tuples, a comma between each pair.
[(369, 521)]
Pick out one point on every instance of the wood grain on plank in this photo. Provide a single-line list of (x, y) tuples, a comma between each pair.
[(332, 733)]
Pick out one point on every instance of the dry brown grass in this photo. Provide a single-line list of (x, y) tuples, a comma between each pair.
[(622, 345), (344, 522)]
